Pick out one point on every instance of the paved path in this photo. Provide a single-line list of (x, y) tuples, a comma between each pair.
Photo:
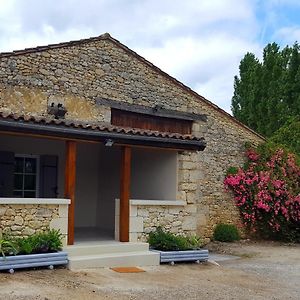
[(221, 257)]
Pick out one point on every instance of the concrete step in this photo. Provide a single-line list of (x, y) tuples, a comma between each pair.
[(123, 259), (104, 248)]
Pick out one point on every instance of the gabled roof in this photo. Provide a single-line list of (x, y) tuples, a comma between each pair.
[(107, 36), (97, 131)]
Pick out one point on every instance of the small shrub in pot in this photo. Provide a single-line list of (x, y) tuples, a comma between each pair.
[(166, 241), (44, 242)]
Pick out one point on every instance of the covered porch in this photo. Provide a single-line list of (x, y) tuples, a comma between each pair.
[(97, 179), (92, 167)]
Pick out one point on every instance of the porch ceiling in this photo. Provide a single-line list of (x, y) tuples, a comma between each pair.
[(69, 129)]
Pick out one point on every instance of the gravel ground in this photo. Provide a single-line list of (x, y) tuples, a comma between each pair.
[(263, 271)]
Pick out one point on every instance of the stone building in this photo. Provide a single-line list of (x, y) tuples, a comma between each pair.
[(100, 143)]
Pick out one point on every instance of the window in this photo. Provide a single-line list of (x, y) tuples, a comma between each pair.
[(26, 176)]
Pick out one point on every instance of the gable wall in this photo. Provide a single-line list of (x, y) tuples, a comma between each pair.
[(77, 75)]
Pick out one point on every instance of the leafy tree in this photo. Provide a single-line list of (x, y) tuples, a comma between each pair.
[(292, 82), (289, 136), (267, 93), (243, 101)]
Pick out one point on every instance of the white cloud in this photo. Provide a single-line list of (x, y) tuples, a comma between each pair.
[(208, 64), (283, 2), (288, 35), (48, 36), (198, 42)]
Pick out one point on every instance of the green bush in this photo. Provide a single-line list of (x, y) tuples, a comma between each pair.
[(232, 171), (24, 246), (166, 241), (289, 136), (44, 242), (226, 233), (6, 247), (54, 238), (194, 242)]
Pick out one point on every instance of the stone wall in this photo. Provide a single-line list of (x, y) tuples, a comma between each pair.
[(146, 215), (79, 74), (176, 219), (20, 219)]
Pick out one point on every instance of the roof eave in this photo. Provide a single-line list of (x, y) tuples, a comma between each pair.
[(97, 135)]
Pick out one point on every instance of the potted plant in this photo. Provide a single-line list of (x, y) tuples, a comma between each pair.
[(41, 249), (175, 248)]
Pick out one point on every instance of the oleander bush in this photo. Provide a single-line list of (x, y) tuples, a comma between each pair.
[(226, 233), (267, 192), (166, 241)]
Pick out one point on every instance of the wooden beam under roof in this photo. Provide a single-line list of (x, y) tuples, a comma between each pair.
[(70, 183), (125, 194)]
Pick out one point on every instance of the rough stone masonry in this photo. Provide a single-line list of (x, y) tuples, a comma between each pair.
[(79, 73)]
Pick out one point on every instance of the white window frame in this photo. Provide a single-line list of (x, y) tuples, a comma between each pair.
[(37, 178)]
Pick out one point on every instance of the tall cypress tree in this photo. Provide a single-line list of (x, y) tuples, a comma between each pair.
[(243, 100), (267, 93), (292, 84), (270, 103)]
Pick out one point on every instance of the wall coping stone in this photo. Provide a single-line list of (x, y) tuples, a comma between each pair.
[(41, 201), (157, 202)]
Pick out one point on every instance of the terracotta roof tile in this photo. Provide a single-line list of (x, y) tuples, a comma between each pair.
[(100, 126)]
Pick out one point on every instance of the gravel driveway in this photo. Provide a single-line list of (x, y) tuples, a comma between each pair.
[(263, 271)]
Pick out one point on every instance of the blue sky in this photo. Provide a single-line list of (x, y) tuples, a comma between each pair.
[(200, 42), (280, 21)]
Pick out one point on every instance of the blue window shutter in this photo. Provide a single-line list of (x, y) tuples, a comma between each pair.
[(7, 160), (48, 176)]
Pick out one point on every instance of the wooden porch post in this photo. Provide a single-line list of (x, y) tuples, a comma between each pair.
[(125, 194), (70, 176)]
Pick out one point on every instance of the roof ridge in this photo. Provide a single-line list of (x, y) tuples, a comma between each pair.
[(107, 36), (55, 45)]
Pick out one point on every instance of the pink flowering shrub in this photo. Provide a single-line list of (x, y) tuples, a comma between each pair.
[(267, 192)]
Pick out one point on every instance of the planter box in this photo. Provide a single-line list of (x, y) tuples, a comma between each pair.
[(188, 255), (33, 260)]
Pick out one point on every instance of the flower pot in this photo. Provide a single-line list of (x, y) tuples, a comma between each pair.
[(33, 260), (187, 255)]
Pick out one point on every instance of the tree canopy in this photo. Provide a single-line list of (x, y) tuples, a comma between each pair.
[(267, 92), (289, 136)]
